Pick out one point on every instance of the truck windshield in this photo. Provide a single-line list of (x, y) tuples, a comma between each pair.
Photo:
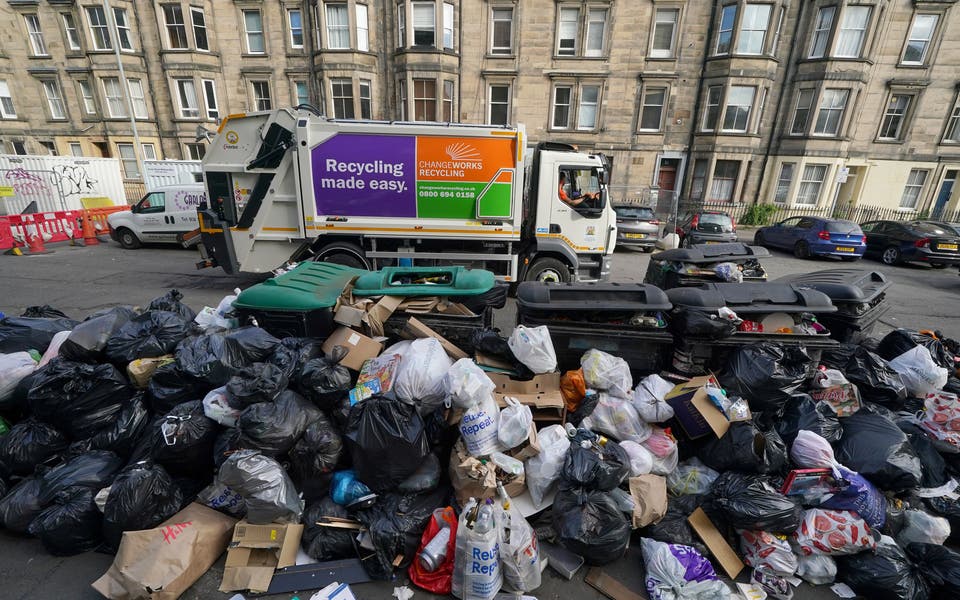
[(580, 189)]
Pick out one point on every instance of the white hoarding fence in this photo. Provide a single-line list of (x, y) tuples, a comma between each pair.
[(57, 183), (170, 172)]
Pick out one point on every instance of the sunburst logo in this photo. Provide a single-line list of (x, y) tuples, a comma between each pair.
[(461, 151)]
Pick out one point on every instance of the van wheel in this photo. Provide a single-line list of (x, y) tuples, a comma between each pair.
[(346, 255), (128, 239), (549, 270)]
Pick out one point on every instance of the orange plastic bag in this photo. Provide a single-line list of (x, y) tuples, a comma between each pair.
[(574, 388)]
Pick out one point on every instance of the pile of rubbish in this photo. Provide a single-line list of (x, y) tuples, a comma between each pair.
[(169, 438)]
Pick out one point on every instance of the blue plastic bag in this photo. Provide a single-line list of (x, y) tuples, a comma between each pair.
[(861, 497), (345, 488)]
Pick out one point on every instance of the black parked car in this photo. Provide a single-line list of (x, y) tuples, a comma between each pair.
[(928, 242), (706, 227)]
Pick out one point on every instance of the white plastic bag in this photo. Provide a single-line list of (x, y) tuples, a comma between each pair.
[(420, 376), (53, 350), (477, 573), (648, 399), (811, 451), (641, 460), (765, 551), (216, 407), (218, 317), (920, 374), (478, 428), (606, 373), (923, 528), (543, 470), (818, 569), (519, 551), (691, 477), (663, 447), (668, 567), (13, 368), (616, 417), (514, 426), (829, 378), (534, 348), (467, 384)]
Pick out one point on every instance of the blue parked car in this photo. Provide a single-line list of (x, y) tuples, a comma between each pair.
[(814, 236)]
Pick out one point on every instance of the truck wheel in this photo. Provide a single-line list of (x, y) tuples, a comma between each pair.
[(548, 269), (128, 239), (346, 255)]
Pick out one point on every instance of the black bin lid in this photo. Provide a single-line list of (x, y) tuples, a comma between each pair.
[(751, 298), (713, 253), (842, 285), (594, 297)]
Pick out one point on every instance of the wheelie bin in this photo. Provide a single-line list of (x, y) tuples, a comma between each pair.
[(699, 264)]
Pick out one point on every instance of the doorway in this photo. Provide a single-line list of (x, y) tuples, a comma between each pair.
[(667, 175), (946, 190)]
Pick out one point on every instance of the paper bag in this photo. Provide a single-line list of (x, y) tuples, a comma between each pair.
[(162, 563), (473, 478), (649, 493)]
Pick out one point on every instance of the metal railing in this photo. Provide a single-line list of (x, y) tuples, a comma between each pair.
[(749, 214)]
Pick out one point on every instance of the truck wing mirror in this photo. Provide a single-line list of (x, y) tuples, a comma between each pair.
[(602, 177)]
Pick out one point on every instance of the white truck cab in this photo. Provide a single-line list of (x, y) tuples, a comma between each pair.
[(162, 215)]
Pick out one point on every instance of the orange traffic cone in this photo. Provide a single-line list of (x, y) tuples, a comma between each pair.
[(89, 232), (35, 243)]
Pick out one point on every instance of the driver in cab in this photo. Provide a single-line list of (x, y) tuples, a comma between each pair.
[(574, 197)]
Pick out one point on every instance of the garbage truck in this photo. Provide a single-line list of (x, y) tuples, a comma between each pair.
[(289, 185)]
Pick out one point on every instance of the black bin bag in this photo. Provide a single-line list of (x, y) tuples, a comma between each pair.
[(171, 302), (26, 333), (874, 446), (886, 574), (589, 523), (872, 374), (260, 382), (121, 436), (274, 427), (27, 445), (182, 441), (95, 469), (697, 324), (293, 353), (149, 335), (745, 448), (142, 496), (594, 469), (44, 311), (22, 504), (77, 398), (751, 502), (802, 412), (326, 543), (88, 340), (766, 374), (324, 381), (940, 566), (386, 440), (170, 386), (266, 488), (72, 524), (674, 528), (214, 358), (314, 457)]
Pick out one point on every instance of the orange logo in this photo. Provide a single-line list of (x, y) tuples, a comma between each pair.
[(466, 159)]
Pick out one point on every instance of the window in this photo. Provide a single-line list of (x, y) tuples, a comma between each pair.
[(366, 99), (99, 30), (342, 94), (123, 29), (698, 180), (784, 181), (295, 21), (589, 101), (18, 147), (567, 31), (651, 112), (54, 99), (187, 96), (76, 149), (448, 101), (50, 147), (402, 94), (501, 31), (918, 42), (128, 161), (833, 102), (176, 29), (86, 97), (821, 32), (253, 27), (724, 180), (70, 30), (753, 28), (913, 188), (261, 95), (137, 99), (195, 151), (424, 99), (952, 133), (736, 114), (338, 26), (401, 26), (210, 97), (596, 27), (37, 44), (810, 184), (499, 105), (199, 21), (301, 92), (447, 26), (363, 31), (801, 114), (892, 124), (116, 107), (7, 110), (561, 106), (148, 151), (725, 34), (664, 32), (424, 24), (853, 31), (712, 112)]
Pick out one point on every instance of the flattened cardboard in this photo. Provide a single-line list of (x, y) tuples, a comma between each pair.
[(610, 587), (694, 411), (713, 540), (349, 316), (543, 391), (418, 330), (256, 551), (378, 314), (359, 347)]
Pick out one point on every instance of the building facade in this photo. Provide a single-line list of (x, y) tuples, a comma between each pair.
[(805, 104)]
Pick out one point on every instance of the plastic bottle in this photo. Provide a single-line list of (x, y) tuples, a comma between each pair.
[(485, 521)]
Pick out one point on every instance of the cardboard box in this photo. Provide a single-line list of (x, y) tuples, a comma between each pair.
[(359, 347), (472, 478), (256, 551), (349, 316), (694, 411), (713, 540), (529, 448), (541, 394), (415, 329)]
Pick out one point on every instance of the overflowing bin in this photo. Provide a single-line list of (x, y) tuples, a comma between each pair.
[(702, 263)]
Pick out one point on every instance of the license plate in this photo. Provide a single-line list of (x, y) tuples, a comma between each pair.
[(844, 249), (634, 236), (946, 247), (714, 242)]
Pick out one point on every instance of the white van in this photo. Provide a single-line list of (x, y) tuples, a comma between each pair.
[(162, 215)]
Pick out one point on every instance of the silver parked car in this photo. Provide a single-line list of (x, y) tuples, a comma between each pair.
[(637, 226)]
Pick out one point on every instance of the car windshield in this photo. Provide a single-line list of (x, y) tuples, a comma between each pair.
[(715, 222), (931, 229), (844, 227), (634, 212)]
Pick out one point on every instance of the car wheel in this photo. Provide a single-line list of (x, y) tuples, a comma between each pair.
[(648, 249), (938, 265), (128, 239), (758, 239), (548, 270), (890, 255), (801, 250)]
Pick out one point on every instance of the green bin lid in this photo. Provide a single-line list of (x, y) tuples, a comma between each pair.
[(309, 286), (424, 281)]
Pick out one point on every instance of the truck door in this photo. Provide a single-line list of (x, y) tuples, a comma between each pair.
[(151, 219), (578, 205)]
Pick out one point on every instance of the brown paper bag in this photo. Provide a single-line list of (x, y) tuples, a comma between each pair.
[(473, 478), (162, 563), (649, 493)]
